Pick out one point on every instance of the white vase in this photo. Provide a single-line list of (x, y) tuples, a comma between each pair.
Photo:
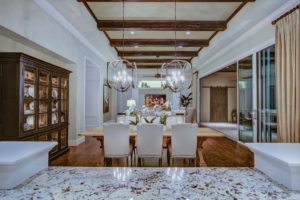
[(132, 127), (165, 128)]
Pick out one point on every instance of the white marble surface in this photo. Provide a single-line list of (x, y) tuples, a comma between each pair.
[(149, 183)]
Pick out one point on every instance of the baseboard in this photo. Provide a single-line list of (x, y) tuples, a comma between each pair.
[(76, 142)]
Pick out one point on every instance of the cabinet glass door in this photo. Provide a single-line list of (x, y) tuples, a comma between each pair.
[(43, 99), (245, 95), (55, 99), (29, 104), (267, 115)]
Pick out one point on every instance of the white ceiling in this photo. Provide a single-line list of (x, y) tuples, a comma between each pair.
[(163, 10), (158, 49)]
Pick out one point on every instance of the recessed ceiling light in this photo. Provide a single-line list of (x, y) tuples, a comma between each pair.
[(188, 32), (132, 32), (180, 47), (136, 46)]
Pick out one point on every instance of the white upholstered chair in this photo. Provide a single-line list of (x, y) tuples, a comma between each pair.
[(183, 142), (116, 141), (149, 141)]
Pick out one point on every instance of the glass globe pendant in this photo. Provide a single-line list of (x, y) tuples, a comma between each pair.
[(177, 75), (123, 75)]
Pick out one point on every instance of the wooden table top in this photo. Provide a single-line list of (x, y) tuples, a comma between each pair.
[(202, 132)]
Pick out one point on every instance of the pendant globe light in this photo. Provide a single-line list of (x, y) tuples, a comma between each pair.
[(177, 73), (123, 72)]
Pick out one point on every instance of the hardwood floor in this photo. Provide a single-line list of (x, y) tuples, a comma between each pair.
[(216, 152)]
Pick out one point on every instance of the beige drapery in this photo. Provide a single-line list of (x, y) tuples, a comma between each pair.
[(288, 77)]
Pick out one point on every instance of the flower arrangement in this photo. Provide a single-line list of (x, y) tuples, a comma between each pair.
[(163, 119), (149, 121), (134, 113)]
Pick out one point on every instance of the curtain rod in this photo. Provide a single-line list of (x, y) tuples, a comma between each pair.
[(285, 14)]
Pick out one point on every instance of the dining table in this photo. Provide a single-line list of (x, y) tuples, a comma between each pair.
[(202, 134)]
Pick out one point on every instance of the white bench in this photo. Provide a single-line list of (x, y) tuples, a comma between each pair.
[(21, 160), (280, 161)]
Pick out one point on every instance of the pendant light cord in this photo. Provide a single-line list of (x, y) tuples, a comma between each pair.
[(123, 27), (175, 42)]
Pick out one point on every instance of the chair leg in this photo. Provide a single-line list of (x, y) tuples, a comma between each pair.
[(160, 162), (105, 163), (168, 158), (126, 161), (197, 159), (139, 162), (131, 158)]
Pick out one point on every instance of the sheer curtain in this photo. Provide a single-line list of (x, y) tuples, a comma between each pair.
[(288, 77)]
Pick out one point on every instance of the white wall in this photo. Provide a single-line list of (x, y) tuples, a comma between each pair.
[(37, 28), (219, 79)]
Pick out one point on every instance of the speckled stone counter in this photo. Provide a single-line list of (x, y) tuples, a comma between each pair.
[(149, 183)]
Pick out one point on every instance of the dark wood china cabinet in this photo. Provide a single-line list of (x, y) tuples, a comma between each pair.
[(34, 101)]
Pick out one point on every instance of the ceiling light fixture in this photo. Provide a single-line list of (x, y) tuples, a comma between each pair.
[(188, 32), (176, 74), (124, 73), (132, 32), (136, 46)]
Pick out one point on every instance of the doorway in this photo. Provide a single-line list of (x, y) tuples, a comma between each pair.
[(218, 101), (92, 95)]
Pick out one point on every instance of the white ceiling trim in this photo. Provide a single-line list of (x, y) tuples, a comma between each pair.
[(47, 7)]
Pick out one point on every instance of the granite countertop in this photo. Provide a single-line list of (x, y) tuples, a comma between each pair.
[(149, 183)]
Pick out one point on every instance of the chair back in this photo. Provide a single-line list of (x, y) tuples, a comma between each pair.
[(149, 140), (184, 140), (116, 139)]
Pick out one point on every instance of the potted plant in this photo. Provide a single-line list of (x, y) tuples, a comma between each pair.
[(149, 121), (234, 116), (185, 100), (163, 120), (133, 123)]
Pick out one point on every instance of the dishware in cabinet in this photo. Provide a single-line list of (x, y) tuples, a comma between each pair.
[(29, 122)]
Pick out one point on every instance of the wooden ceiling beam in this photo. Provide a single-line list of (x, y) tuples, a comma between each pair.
[(158, 1), (160, 25), (152, 60), (139, 66), (158, 53), (158, 42)]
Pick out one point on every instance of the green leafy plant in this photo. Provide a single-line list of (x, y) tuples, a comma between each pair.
[(186, 100), (135, 114), (149, 121), (163, 119)]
